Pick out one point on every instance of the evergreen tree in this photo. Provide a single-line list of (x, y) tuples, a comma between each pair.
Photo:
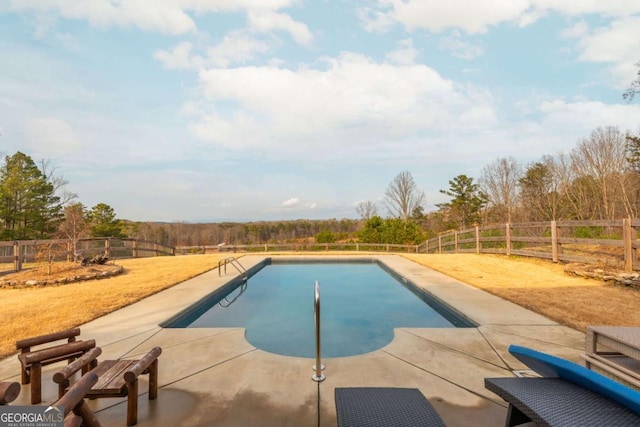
[(103, 222), (29, 207), (391, 231), (467, 200)]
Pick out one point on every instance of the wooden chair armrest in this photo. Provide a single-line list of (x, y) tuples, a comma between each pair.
[(73, 367), (8, 392), (26, 344), (77, 392), (141, 365), (60, 351)]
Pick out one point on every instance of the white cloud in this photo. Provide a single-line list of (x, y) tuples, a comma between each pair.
[(435, 15), (352, 103), (405, 54), (583, 7), (584, 116), (458, 47), (477, 16), (166, 16), (618, 45), (292, 202), (267, 21), (578, 30), (237, 47), (179, 57)]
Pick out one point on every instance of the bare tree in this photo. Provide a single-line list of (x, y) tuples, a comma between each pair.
[(74, 225), (402, 196), (600, 162), (499, 181), (366, 209), (58, 182), (541, 187)]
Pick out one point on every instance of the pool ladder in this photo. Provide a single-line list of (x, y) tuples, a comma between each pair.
[(318, 367), (234, 262), (243, 271)]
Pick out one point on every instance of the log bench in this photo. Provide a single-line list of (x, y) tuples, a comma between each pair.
[(77, 412), (32, 360), (9, 391), (116, 378)]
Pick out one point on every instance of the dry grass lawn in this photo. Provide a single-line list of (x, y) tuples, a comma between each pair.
[(543, 287), (34, 311), (535, 284)]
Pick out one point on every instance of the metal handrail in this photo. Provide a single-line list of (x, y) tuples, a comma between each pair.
[(243, 287), (233, 261), (318, 367)]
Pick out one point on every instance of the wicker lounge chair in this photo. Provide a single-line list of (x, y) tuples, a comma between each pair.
[(384, 407), (567, 394)]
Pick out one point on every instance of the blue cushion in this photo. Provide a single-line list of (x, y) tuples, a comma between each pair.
[(551, 366)]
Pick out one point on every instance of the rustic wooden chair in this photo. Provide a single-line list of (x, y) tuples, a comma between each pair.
[(116, 378), (9, 391), (32, 360)]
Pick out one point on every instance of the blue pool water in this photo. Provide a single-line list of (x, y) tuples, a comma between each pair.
[(360, 305)]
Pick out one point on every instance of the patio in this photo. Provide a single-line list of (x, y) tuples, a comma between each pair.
[(215, 377)]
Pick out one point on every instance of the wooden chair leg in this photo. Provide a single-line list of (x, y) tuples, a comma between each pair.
[(132, 403), (25, 378), (88, 417), (153, 380), (62, 387), (36, 383)]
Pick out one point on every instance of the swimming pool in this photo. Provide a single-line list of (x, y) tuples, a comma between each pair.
[(361, 303)]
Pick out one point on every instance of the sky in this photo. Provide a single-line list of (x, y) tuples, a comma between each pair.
[(249, 110)]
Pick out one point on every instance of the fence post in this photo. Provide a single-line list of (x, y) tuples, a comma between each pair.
[(357, 247), (628, 238), (70, 255), (455, 241), (507, 237), (17, 256), (477, 239), (439, 243), (554, 241), (107, 247)]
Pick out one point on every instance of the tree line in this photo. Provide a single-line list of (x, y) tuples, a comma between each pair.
[(598, 179)]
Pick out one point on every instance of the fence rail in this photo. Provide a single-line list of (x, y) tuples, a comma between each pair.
[(612, 242), (21, 251)]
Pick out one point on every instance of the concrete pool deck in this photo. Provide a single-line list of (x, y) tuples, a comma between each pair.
[(211, 377)]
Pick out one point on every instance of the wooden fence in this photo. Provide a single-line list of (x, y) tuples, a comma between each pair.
[(612, 243), (20, 251)]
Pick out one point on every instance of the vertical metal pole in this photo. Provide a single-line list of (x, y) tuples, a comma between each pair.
[(318, 367)]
